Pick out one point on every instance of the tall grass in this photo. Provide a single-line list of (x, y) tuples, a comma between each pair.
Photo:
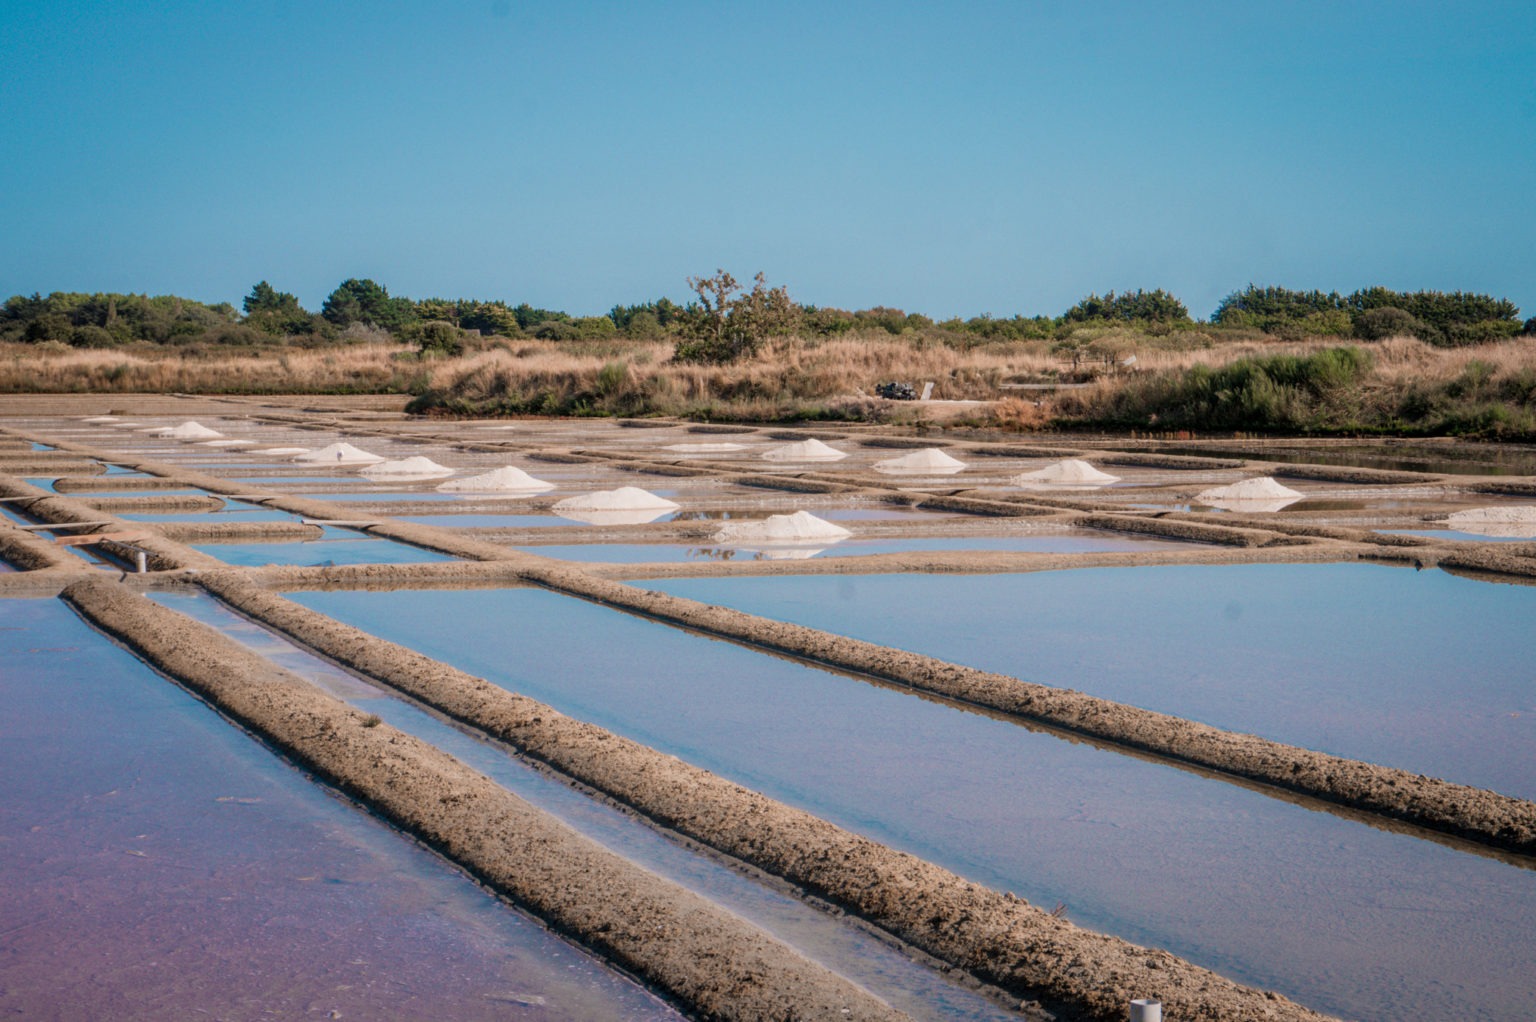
[(1183, 380), (58, 369)]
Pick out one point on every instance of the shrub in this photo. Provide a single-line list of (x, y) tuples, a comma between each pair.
[(92, 336), (725, 325), (440, 338), (1388, 321)]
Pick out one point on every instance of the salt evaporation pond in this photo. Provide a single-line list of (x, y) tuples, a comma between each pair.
[(159, 864), (1425, 671), (911, 986), (1084, 541), (231, 513), (355, 548), (1349, 919)]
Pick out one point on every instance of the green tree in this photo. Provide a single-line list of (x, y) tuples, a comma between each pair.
[(363, 301), (275, 312), (726, 325), (1146, 306)]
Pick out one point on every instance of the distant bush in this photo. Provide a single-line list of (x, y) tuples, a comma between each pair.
[(92, 336), (1388, 321), (1278, 392), (1147, 306), (440, 338)]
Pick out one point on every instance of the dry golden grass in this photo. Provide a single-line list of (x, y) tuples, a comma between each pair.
[(792, 378), (58, 369)]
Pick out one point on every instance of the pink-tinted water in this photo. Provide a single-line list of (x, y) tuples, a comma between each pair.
[(157, 863)]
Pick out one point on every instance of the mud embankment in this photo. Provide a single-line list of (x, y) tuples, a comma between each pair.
[(162, 554), (101, 484), (239, 532), (187, 502), (708, 959), (26, 551), (1474, 814), (993, 936)]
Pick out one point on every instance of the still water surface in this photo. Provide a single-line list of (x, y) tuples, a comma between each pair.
[(1426, 671), (1346, 918), (159, 864)]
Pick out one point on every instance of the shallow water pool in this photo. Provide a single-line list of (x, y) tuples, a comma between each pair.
[(340, 547), (1425, 671), (1081, 542), (159, 864), (1341, 916), (922, 992)]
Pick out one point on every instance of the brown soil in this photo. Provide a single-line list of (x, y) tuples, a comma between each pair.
[(154, 505)]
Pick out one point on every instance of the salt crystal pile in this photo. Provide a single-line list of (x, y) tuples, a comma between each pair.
[(407, 468), (628, 505), (1071, 472), (188, 431), (1261, 494), (929, 461), (1506, 522), (805, 450), (704, 448), (503, 480), (799, 529), (338, 454)]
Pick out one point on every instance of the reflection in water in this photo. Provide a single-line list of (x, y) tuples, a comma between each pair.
[(1348, 919), (159, 864)]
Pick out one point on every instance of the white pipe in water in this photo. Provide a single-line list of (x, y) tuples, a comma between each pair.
[(140, 561), (1145, 1010)]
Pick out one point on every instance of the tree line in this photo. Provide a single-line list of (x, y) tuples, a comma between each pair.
[(725, 320)]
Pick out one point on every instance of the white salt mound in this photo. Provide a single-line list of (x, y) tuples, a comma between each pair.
[(189, 431), (1262, 488), (805, 450), (930, 459), (1508, 522), (338, 454), (1068, 472), (503, 480), (625, 498), (417, 466), (799, 529), (224, 443), (1513, 515)]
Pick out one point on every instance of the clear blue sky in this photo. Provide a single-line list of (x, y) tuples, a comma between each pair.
[(958, 159)]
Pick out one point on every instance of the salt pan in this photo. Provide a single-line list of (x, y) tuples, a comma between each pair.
[(1508, 522), (628, 505), (407, 468), (1253, 495), (338, 454), (503, 480), (188, 431), (805, 450), (1071, 472), (929, 461), (798, 529)]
